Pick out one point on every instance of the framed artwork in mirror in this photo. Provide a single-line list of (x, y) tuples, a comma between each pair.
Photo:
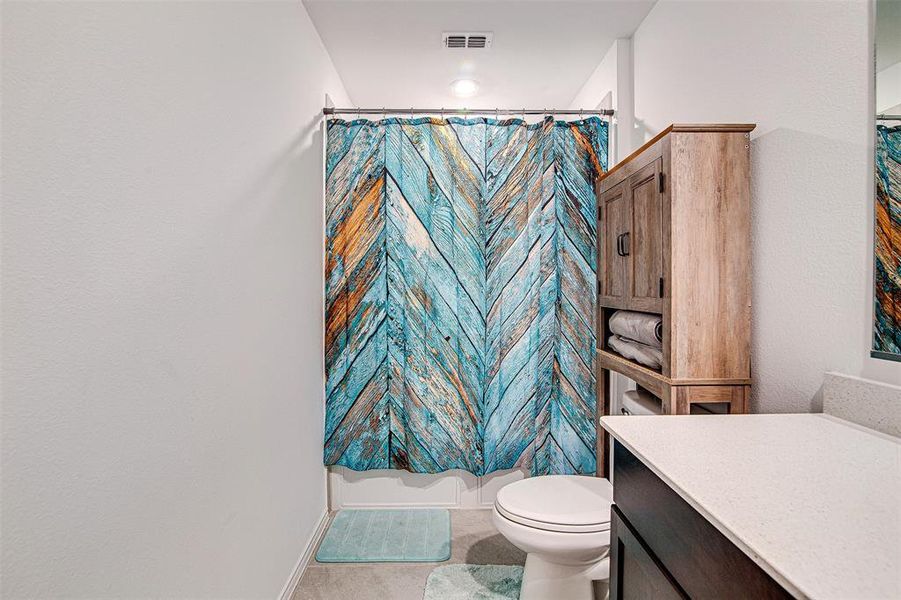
[(887, 209)]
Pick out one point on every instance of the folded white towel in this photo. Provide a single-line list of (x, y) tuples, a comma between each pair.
[(641, 327), (640, 353)]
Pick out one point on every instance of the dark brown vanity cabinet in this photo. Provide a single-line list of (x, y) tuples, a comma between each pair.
[(661, 548)]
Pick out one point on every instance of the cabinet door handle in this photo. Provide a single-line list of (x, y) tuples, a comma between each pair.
[(621, 244), (626, 238)]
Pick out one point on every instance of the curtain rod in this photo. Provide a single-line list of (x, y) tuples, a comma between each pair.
[(606, 112), (888, 117)]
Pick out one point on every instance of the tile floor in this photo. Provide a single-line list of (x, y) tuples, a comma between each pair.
[(474, 540)]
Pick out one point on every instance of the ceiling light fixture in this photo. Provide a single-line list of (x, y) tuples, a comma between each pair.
[(465, 88)]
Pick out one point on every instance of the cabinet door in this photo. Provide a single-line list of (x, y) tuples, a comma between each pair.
[(645, 238), (614, 217), (635, 573)]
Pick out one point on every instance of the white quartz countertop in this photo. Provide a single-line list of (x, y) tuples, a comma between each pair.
[(814, 500)]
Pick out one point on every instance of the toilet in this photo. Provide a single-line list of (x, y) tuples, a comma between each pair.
[(562, 522)]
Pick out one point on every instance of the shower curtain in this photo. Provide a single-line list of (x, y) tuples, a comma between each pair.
[(887, 313), (460, 294)]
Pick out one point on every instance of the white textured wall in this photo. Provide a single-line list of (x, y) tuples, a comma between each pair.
[(600, 83), (612, 79), (802, 71), (161, 317)]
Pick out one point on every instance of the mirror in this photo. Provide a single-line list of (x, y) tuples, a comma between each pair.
[(887, 220)]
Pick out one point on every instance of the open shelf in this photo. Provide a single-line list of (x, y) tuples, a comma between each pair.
[(643, 376), (651, 380)]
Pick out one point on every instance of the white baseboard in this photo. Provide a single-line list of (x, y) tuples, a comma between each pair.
[(305, 556), (389, 505), (401, 489)]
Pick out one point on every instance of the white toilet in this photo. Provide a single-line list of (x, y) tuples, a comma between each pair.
[(562, 522)]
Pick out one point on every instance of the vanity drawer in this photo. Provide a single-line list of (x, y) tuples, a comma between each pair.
[(690, 551), (639, 574)]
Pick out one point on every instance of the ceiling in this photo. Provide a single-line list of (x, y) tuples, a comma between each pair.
[(390, 53)]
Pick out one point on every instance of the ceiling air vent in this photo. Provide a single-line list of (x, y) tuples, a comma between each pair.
[(468, 39)]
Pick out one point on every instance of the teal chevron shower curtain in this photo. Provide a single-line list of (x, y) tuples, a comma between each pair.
[(460, 294)]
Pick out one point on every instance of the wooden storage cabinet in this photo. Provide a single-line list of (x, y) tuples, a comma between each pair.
[(675, 221)]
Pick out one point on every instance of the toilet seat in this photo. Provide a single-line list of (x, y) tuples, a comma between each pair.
[(559, 503)]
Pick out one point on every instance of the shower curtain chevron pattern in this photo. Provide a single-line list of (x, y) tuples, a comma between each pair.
[(887, 238), (460, 261)]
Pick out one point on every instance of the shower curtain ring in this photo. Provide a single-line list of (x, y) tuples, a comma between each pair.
[(442, 113)]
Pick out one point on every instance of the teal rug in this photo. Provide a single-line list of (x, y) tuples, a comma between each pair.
[(397, 535), (474, 582)]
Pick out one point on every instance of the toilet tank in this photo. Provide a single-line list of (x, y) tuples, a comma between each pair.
[(640, 402)]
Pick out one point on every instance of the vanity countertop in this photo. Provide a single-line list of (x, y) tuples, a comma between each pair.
[(814, 500)]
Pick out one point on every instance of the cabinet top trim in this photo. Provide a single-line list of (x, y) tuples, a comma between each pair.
[(683, 128)]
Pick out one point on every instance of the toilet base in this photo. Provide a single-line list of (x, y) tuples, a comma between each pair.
[(543, 580)]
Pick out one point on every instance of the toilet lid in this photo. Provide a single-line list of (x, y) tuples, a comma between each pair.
[(565, 503)]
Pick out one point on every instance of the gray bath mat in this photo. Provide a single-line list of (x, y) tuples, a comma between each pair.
[(474, 582), (402, 535)]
